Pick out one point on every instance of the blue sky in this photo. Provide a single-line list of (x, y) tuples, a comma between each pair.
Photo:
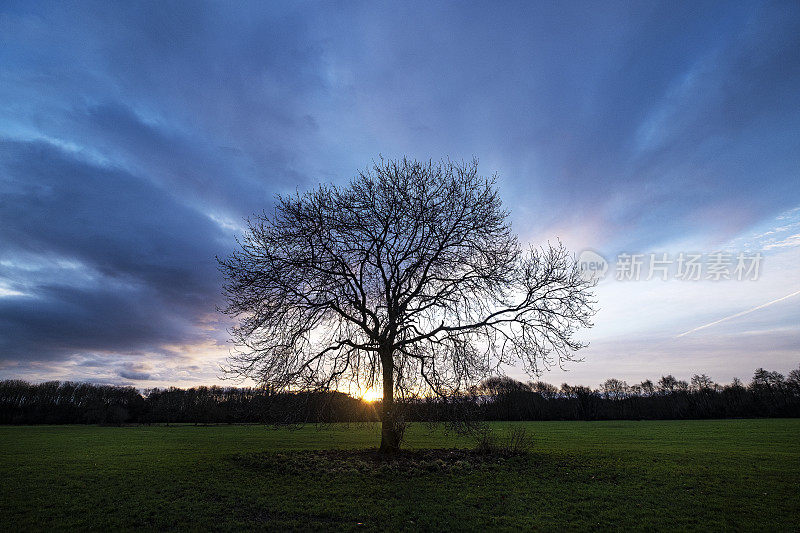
[(135, 136)]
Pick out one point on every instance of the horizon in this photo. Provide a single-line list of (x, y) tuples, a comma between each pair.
[(134, 139), (373, 395)]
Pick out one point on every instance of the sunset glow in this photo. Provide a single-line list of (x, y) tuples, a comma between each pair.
[(371, 395)]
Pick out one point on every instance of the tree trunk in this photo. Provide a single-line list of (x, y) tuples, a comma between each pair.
[(390, 437)]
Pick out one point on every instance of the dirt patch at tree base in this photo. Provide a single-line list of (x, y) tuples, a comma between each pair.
[(373, 462)]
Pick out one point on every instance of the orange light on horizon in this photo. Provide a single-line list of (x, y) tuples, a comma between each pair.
[(371, 395)]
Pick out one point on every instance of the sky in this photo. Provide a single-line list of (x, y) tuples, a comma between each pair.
[(136, 136)]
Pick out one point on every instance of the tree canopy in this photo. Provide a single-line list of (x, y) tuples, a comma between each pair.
[(410, 275)]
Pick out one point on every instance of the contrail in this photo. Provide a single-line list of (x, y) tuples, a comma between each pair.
[(762, 306)]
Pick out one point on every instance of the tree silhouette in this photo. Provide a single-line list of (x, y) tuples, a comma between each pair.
[(409, 275)]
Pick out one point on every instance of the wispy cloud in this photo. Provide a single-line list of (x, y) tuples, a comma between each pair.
[(737, 315), (791, 240)]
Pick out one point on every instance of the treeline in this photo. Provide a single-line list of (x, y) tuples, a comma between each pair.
[(57, 402), (769, 394)]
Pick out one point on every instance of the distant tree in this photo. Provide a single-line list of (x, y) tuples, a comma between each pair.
[(615, 389), (702, 383), (667, 384), (766, 379), (409, 275), (793, 380), (646, 387), (583, 397), (545, 390), (498, 385)]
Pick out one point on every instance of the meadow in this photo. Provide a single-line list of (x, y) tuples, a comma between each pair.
[(697, 475)]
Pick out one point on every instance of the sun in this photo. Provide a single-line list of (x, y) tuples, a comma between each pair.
[(371, 395)]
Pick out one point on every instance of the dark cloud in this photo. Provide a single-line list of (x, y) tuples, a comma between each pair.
[(135, 371), (130, 267)]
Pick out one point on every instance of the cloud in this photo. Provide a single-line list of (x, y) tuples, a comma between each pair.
[(722, 356), (136, 372), (790, 241), (106, 260), (742, 313)]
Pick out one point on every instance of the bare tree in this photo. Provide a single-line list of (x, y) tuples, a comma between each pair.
[(410, 275), (668, 385), (702, 383), (615, 389)]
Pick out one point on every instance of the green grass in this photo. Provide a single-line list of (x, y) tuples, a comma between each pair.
[(709, 475)]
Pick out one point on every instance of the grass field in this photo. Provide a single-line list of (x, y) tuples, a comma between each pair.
[(722, 474)]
